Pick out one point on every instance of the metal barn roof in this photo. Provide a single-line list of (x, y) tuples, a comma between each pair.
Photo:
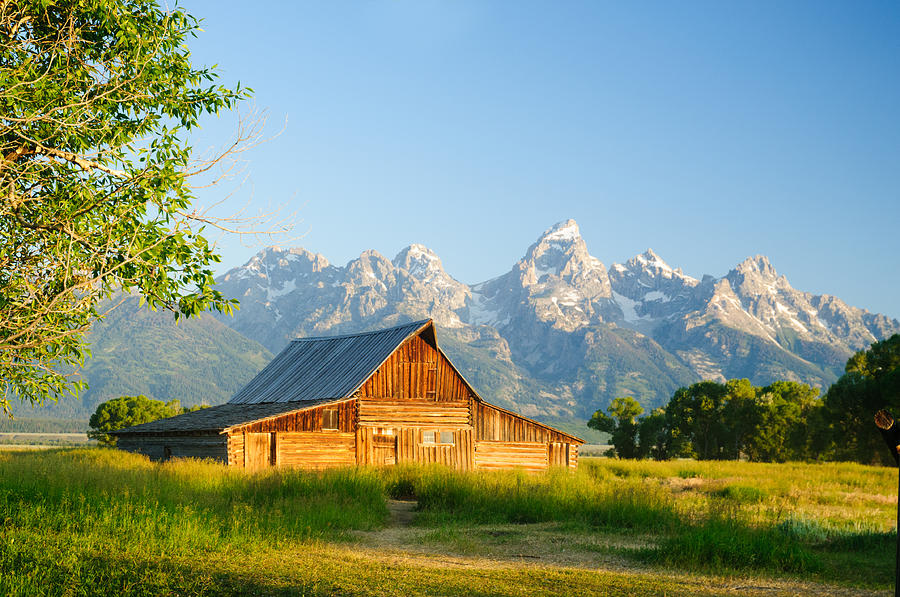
[(219, 418), (327, 367)]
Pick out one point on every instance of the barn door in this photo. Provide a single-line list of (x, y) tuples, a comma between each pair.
[(257, 451), (385, 449)]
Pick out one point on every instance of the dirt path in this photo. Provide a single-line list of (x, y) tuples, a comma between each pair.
[(403, 512), (547, 545)]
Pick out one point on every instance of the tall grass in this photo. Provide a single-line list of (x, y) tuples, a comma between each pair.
[(517, 497), (79, 518), (99, 521), (182, 505)]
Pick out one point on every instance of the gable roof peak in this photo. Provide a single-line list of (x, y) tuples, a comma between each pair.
[(417, 325), (328, 367)]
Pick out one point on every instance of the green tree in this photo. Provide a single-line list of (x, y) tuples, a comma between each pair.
[(871, 382), (127, 411), (96, 100), (785, 409), (741, 417), (653, 435), (621, 424), (694, 417), (709, 420)]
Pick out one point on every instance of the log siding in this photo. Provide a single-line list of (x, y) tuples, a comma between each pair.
[(305, 420), (497, 455)]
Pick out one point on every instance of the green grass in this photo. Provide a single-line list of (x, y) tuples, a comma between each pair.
[(517, 497), (95, 521)]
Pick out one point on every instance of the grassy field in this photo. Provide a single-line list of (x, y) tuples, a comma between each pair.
[(91, 521), (44, 440)]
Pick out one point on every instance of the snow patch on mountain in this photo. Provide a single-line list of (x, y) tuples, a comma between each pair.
[(287, 287), (629, 308), (483, 311)]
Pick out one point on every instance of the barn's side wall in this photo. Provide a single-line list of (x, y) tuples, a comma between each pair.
[(296, 440), (164, 447), (306, 420), (506, 440), (496, 455), (235, 449), (312, 449)]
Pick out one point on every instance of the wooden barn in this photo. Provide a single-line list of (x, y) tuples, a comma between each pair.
[(381, 398)]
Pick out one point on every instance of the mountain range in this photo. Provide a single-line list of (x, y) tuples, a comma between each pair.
[(560, 334), (556, 337)]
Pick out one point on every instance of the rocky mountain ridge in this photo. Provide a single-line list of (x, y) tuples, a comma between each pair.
[(559, 334)]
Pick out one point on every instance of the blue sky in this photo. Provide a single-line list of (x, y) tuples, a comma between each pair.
[(709, 131)]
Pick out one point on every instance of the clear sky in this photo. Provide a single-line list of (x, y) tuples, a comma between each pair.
[(709, 131)]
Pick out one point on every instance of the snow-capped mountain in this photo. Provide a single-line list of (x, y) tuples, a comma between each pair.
[(559, 281), (648, 291), (559, 334)]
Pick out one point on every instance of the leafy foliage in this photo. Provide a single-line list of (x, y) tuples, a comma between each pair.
[(621, 424), (713, 421), (871, 382), (127, 411), (95, 98)]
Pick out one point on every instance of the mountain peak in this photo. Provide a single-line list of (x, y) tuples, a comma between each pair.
[(567, 230), (649, 259), (758, 263), (418, 260), (649, 265), (415, 252)]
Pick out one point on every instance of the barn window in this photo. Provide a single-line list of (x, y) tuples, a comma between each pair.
[(438, 437), (330, 418)]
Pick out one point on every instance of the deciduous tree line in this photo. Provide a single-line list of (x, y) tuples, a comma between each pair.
[(127, 411), (782, 421)]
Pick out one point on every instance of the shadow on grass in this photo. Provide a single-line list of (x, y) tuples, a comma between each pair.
[(109, 575)]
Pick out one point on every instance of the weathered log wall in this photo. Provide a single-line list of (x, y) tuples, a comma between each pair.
[(407, 446), (412, 413), (573, 456), (164, 447), (306, 420), (496, 455), (236, 449), (496, 424), (315, 450)]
